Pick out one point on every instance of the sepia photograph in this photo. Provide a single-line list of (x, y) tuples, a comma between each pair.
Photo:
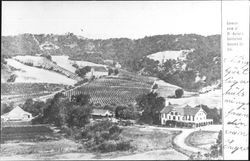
[(106, 80)]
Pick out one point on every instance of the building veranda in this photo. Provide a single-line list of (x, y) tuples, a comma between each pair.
[(175, 115)]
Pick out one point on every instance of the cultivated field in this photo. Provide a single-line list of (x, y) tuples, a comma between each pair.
[(19, 92), (112, 90), (29, 88), (26, 133)]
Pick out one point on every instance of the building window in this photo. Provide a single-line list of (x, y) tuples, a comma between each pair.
[(176, 113), (172, 113), (173, 117), (178, 117), (169, 117)]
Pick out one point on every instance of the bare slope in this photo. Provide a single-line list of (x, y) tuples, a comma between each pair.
[(28, 74)]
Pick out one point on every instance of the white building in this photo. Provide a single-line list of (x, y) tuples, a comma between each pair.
[(100, 113), (184, 116), (17, 114), (97, 71)]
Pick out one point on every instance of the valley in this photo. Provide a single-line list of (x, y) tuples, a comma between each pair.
[(61, 79)]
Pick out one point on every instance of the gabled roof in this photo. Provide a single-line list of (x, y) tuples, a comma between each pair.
[(191, 111), (16, 111), (183, 110), (100, 112)]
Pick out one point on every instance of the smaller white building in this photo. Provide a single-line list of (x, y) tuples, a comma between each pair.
[(97, 71), (100, 113), (17, 114)]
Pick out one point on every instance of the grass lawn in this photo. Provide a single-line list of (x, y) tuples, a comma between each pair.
[(144, 139), (202, 139)]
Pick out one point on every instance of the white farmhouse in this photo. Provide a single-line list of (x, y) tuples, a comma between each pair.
[(100, 113), (17, 114), (184, 116), (97, 71)]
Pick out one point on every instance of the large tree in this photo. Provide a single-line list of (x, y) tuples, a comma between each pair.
[(81, 99), (83, 71), (55, 111), (151, 104), (78, 116), (34, 107)]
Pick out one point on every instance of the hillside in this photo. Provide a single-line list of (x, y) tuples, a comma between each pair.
[(45, 63), (205, 58), (28, 74), (166, 55)]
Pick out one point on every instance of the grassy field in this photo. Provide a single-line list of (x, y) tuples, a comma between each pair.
[(202, 139), (40, 148), (29, 88), (155, 143), (27, 133), (144, 139), (19, 92), (38, 140)]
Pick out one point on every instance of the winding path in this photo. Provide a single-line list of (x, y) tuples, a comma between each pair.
[(179, 140)]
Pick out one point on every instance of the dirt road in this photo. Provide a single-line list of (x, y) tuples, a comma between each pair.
[(180, 139)]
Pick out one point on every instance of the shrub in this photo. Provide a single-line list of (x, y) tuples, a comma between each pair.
[(12, 78), (108, 146), (75, 65), (116, 71), (123, 145), (82, 71), (115, 129), (38, 120), (67, 131), (28, 63), (81, 82), (104, 137), (179, 93), (155, 86), (110, 71)]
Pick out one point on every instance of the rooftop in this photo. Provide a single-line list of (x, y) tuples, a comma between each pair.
[(182, 109), (100, 112)]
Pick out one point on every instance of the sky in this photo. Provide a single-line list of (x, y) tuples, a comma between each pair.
[(102, 20)]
